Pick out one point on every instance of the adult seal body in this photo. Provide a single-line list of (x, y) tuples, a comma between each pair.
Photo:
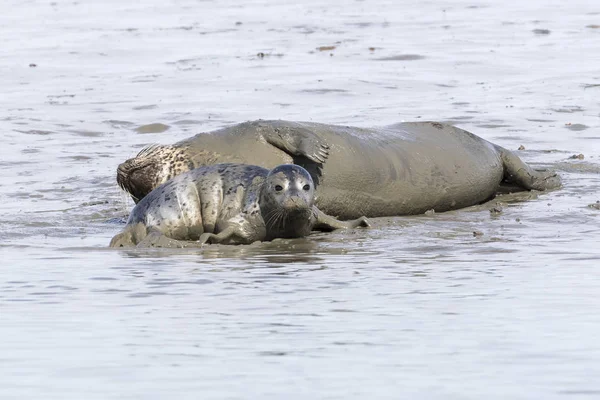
[(402, 169), (230, 204)]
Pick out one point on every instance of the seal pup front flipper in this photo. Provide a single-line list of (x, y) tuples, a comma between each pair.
[(516, 171), (156, 238), (327, 223), (130, 237), (241, 229)]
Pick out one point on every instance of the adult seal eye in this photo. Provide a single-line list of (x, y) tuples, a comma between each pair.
[(278, 188), (306, 187)]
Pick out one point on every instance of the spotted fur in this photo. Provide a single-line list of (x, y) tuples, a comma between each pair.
[(256, 203)]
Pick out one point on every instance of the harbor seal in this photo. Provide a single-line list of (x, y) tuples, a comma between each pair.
[(229, 204), (402, 169)]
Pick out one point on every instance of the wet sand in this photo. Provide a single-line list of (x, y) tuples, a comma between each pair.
[(494, 301)]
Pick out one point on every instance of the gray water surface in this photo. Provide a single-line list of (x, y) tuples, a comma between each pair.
[(461, 305)]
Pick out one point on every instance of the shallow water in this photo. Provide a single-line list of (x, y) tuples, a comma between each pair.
[(461, 305)]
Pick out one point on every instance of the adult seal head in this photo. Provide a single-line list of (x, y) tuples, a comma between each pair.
[(230, 204)]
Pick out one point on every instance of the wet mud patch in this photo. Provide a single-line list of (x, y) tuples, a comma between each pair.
[(85, 133), (218, 31), (179, 28), (576, 127), (79, 158), (25, 195), (145, 107), (326, 48), (401, 57), (494, 126), (36, 132), (56, 98), (540, 120), (190, 64), (152, 128), (583, 167), (145, 78), (359, 24), (568, 109), (16, 163), (186, 122), (306, 29), (541, 32), (261, 55), (119, 124), (325, 91), (595, 206)]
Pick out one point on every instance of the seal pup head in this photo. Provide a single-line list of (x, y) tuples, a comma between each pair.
[(286, 201)]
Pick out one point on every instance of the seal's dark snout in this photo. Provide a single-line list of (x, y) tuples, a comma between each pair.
[(123, 171), (134, 177)]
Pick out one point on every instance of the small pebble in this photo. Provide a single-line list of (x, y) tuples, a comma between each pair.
[(497, 209)]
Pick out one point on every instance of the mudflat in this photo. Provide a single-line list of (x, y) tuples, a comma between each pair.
[(494, 301)]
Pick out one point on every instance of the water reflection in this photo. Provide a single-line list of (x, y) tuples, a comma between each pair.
[(313, 250)]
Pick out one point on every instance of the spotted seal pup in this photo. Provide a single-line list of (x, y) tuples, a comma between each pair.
[(402, 169), (229, 204)]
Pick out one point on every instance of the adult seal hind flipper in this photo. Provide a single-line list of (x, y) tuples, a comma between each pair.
[(516, 171), (402, 169)]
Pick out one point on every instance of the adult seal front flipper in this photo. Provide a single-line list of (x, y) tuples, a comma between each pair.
[(295, 140)]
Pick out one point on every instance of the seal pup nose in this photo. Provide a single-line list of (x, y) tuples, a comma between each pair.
[(295, 202)]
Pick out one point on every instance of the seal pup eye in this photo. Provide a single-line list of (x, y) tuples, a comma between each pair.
[(278, 188), (306, 187)]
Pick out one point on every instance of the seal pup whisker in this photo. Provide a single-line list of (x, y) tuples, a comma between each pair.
[(273, 217)]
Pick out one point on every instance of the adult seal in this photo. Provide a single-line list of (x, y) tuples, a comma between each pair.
[(402, 169), (229, 204)]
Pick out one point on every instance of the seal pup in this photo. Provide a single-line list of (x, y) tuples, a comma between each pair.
[(229, 204), (401, 169)]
